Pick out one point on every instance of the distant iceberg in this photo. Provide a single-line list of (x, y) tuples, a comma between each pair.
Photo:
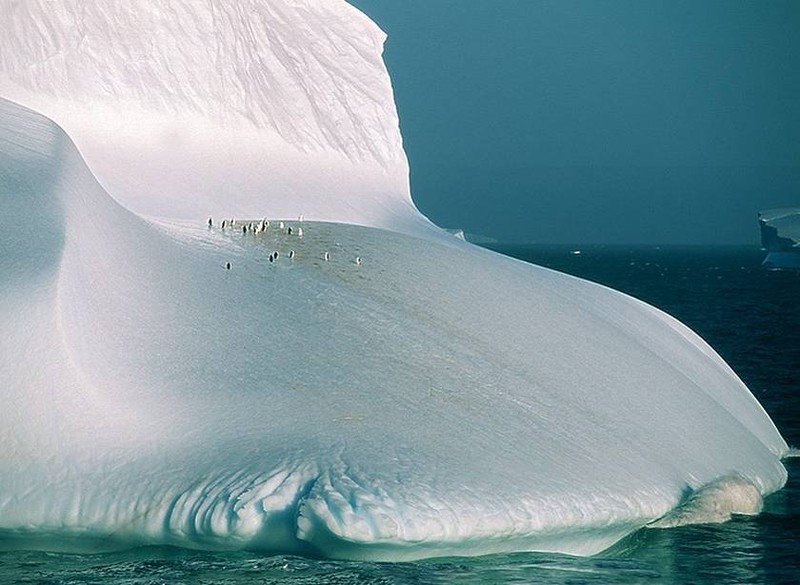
[(780, 237), (386, 392)]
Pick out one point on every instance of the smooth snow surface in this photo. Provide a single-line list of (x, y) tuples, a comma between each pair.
[(433, 399), (436, 399), (238, 106)]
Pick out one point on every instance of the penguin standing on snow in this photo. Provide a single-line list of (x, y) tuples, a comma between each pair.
[(223, 224), (299, 232), (289, 230), (358, 260), (327, 256), (291, 255), (227, 266), (210, 223)]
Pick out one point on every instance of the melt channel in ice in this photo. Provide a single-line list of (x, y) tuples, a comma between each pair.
[(433, 399)]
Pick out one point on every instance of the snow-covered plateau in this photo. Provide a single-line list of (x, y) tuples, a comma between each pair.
[(379, 390)]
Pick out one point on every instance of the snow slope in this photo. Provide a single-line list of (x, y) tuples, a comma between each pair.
[(238, 105), (436, 399)]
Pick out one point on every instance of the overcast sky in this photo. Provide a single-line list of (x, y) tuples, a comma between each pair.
[(598, 121)]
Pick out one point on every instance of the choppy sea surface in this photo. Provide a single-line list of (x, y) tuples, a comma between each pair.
[(750, 315)]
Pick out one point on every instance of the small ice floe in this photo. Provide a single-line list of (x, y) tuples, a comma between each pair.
[(575, 252)]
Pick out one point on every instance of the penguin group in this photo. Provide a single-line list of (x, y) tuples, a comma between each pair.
[(262, 226)]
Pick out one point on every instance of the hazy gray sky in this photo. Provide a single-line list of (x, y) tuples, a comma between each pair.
[(598, 121)]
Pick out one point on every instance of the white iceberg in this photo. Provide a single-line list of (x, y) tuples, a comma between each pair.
[(780, 237), (433, 399)]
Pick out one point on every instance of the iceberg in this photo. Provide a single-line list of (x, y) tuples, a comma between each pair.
[(239, 107), (378, 389), (780, 237)]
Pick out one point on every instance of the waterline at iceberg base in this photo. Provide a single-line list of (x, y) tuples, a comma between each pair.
[(434, 399)]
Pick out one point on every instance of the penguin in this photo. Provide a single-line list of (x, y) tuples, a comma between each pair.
[(227, 266), (291, 255), (223, 224), (300, 218), (299, 232), (289, 230), (271, 258), (276, 253), (280, 225), (358, 260), (244, 229), (233, 222), (210, 223), (327, 256)]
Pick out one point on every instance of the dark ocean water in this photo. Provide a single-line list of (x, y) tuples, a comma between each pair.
[(750, 315)]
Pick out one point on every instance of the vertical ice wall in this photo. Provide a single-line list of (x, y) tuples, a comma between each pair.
[(185, 108)]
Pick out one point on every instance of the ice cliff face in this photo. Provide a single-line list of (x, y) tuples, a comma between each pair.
[(254, 103), (433, 399)]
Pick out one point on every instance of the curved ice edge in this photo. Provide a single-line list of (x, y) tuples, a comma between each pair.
[(315, 520)]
